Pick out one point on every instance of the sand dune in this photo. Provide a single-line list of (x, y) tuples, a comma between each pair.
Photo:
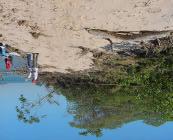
[(55, 28)]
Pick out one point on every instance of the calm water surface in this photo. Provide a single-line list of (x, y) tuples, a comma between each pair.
[(54, 123)]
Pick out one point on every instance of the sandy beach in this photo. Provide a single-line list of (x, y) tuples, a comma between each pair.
[(56, 28)]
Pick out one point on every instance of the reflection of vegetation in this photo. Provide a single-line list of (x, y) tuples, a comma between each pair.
[(97, 132), (123, 93), (24, 110), (27, 111)]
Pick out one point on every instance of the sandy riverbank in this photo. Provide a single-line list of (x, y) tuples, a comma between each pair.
[(56, 28)]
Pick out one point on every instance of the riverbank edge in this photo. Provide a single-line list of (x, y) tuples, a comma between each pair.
[(108, 65)]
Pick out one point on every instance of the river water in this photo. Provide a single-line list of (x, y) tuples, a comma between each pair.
[(36, 112), (55, 119)]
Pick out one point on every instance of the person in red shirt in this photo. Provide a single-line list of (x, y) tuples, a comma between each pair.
[(8, 62)]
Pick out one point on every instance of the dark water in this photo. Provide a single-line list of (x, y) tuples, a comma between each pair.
[(138, 109)]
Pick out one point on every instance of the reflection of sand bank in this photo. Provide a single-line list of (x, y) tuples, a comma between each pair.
[(54, 27)]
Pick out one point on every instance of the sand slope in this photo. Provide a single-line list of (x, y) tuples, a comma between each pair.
[(60, 25)]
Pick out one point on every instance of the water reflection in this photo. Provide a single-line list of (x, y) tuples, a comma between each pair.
[(27, 110), (146, 93), (139, 106), (99, 111)]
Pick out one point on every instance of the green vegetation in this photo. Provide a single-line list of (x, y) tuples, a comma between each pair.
[(28, 110), (118, 91), (129, 92)]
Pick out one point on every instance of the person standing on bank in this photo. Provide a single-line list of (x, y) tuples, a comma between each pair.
[(3, 50), (8, 62), (32, 62), (8, 58)]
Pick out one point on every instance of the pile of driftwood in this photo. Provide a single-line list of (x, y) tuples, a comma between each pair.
[(135, 42)]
